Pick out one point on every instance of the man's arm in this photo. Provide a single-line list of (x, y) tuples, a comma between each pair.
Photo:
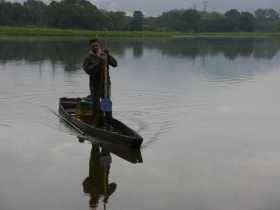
[(112, 61), (90, 66)]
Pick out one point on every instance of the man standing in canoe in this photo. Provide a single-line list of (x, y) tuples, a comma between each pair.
[(95, 64)]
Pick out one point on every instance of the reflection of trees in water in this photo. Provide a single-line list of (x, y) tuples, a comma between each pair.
[(137, 49), (34, 51), (266, 50), (230, 48), (66, 52), (192, 48), (71, 52)]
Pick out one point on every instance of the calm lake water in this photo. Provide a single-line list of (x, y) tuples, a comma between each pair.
[(208, 110)]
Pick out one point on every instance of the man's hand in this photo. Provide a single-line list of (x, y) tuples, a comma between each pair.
[(101, 59), (106, 51)]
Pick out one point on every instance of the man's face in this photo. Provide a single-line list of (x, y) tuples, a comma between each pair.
[(95, 47)]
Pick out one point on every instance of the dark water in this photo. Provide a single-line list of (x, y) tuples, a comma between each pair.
[(208, 111)]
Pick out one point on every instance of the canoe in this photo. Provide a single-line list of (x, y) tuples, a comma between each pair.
[(119, 133)]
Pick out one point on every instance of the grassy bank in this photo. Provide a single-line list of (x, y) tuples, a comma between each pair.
[(34, 31)]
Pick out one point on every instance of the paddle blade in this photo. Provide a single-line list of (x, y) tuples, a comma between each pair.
[(106, 105)]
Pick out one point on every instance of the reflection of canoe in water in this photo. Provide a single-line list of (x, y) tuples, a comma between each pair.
[(119, 133), (132, 155)]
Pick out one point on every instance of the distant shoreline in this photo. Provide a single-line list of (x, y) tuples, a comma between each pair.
[(53, 32)]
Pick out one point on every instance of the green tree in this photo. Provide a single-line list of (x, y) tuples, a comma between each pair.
[(171, 21), (137, 21), (213, 22), (233, 20), (190, 19), (246, 21), (267, 20), (272, 14), (76, 14), (266, 15), (36, 11), (118, 20)]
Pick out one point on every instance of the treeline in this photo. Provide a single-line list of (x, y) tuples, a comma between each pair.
[(263, 20), (81, 14)]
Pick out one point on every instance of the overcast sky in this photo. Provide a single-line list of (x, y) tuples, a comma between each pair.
[(156, 7)]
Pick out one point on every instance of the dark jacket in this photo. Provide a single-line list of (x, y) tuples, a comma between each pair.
[(93, 69)]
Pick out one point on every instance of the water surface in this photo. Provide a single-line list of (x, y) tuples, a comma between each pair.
[(207, 109)]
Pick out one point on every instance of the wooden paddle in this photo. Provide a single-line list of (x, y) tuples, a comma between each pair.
[(106, 103)]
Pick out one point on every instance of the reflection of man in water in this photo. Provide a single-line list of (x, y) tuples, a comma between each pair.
[(97, 183)]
